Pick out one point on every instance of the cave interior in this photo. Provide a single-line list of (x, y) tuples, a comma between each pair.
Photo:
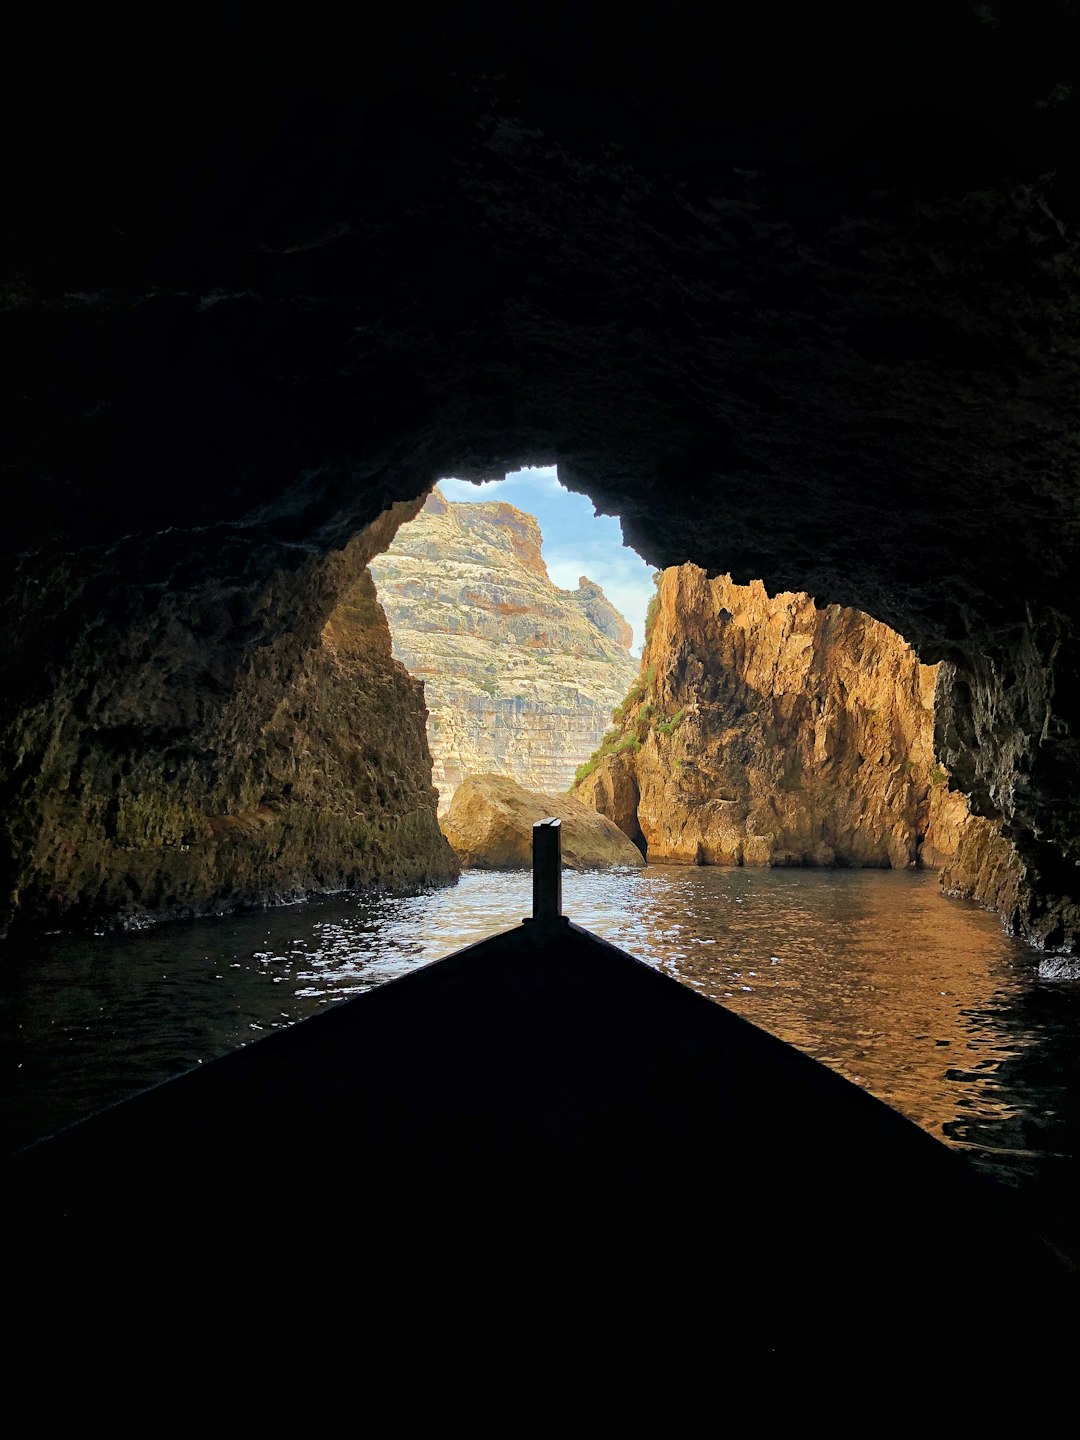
[(793, 295)]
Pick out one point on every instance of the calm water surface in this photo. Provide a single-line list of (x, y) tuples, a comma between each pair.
[(921, 1000)]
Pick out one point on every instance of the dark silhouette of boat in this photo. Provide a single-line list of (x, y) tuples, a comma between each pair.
[(548, 1122)]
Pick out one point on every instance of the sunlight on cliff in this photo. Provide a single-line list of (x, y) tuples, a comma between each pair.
[(764, 730), (502, 599), (740, 728), (576, 541)]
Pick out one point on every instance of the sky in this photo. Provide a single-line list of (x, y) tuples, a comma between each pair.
[(576, 540)]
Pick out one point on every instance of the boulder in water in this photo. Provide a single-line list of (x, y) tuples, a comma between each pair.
[(490, 820)]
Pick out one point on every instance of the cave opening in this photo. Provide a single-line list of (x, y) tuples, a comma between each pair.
[(713, 723), (523, 612)]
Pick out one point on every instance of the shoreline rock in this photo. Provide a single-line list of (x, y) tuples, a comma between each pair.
[(490, 819)]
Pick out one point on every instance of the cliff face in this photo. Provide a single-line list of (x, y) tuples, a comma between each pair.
[(767, 732), (520, 677), (220, 753)]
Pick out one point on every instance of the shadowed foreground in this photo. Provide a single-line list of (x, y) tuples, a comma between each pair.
[(560, 1130)]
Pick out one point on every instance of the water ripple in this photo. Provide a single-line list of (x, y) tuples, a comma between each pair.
[(921, 1000)]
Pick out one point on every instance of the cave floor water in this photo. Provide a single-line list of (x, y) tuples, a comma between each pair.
[(921, 1000)]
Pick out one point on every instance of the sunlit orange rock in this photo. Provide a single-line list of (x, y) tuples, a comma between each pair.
[(490, 819), (765, 731)]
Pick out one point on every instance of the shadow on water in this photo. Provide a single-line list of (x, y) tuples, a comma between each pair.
[(920, 1000)]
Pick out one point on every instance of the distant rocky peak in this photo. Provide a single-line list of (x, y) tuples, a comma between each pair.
[(437, 503), (511, 524), (599, 611), (494, 524)]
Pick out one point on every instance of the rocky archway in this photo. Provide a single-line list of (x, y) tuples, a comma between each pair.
[(797, 304)]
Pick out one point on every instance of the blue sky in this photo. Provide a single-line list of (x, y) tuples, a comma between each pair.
[(576, 541)]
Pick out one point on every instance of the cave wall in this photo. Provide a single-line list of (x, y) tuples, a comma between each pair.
[(1005, 725), (795, 295), (231, 735)]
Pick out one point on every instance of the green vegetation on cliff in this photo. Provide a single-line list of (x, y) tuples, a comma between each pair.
[(763, 730), (635, 717)]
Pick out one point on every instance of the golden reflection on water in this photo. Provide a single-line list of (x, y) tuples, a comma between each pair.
[(874, 974), (921, 1000)]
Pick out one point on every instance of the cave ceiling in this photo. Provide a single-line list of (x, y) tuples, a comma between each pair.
[(796, 303), (796, 297)]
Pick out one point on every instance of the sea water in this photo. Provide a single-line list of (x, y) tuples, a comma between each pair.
[(921, 1000)]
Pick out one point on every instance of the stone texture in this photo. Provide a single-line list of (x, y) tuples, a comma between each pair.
[(1001, 726), (794, 293), (490, 819), (229, 744), (520, 677), (766, 731), (986, 868)]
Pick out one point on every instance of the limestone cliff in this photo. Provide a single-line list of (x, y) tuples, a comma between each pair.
[(764, 731), (520, 677), (231, 744)]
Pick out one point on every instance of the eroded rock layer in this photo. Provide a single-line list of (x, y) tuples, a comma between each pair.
[(224, 744), (520, 677), (765, 731)]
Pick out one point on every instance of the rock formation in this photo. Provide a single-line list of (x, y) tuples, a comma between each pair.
[(984, 867), (794, 295), (490, 819), (766, 731), (520, 677), (217, 753)]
